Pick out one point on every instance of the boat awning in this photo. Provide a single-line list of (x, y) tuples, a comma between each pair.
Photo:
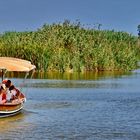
[(15, 64)]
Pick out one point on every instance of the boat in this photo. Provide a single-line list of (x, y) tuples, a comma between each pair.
[(12, 64)]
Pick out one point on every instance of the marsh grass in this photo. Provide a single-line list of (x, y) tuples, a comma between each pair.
[(70, 47)]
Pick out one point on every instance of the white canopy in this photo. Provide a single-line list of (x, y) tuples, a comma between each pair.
[(16, 64)]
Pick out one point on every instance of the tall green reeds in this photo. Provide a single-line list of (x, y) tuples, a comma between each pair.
[(70, 47)]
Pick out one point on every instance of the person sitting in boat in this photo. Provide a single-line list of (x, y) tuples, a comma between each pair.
[(9, 95), (7, 83), (14, 91), (3, 94), (16, 94)]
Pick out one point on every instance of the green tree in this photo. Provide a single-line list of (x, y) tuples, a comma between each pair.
[(138, 30)]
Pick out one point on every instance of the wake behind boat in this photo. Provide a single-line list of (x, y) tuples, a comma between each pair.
[(13, 64)]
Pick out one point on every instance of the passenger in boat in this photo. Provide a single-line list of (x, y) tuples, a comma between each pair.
[(8, 83), (11, 92), (9, 96), (2, 94), (14, 92)]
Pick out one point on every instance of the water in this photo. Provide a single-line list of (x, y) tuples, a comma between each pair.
[(105, 108)]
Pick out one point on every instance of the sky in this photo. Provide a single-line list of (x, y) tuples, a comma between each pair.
[(23, 15)]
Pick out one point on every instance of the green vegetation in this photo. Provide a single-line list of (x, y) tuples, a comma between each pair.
[(70, 47)]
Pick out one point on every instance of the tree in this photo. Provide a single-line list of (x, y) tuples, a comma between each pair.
[(138, 30)]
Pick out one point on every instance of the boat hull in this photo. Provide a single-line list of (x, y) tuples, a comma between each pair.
[(3, 115), (10, 109)]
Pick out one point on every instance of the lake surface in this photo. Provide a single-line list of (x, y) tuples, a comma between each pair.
[(106, 107)]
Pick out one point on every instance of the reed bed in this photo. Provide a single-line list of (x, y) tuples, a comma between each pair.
[(70, 47)]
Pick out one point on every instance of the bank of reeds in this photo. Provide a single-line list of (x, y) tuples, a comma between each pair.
[(70, 47)]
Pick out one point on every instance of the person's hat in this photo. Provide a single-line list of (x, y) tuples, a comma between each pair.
[(4, 81)]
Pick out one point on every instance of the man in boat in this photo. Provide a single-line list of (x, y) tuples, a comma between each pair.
[(2, 94), (17, 96), (8, 84), (12, 93)]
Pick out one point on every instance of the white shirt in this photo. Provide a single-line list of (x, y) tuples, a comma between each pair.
[(13, 92), (8, 95)]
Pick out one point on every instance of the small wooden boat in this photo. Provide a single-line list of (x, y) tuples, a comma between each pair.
[(12, 108), (18, 65)]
